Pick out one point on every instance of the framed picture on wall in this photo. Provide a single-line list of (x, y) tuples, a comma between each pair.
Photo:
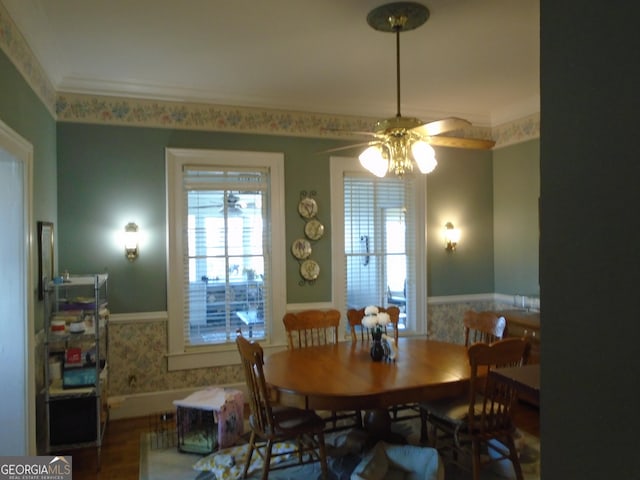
[(45, 256)]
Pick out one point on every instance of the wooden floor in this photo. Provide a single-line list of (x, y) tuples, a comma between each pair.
[(121, 449)]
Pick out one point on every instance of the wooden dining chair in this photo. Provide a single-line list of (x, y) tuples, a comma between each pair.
[(483, 327), (308, 328), (355, 316), (311, 327), (481, 421), (270, 423)]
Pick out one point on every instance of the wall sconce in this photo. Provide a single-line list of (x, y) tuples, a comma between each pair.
[(451, 237), (131, 241)]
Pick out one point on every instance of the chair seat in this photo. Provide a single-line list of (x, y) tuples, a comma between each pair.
[(452, 409), (292, 420)]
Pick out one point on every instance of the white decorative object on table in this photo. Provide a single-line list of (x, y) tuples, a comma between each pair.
[(371, 310), (372, 320)]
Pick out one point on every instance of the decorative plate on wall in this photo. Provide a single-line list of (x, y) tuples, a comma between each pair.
[(309, 270), (314, 230), (301, 248), (307, 207)]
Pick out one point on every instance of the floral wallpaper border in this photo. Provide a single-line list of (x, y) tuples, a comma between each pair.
[(521, 130), (71, 107), (14, 45)]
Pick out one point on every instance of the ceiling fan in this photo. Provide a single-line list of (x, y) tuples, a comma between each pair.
[(217, 201), (399, 142)]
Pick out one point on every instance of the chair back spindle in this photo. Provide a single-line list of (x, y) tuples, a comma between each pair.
[(485, 327), (498, 396), (311, 327)]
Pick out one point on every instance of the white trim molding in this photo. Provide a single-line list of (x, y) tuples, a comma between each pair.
[(450, 299), (149, 403), (138, 317)]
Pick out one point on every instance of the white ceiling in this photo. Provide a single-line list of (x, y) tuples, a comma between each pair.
[(474, 59)]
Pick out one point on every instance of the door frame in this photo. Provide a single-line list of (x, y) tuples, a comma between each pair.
[(22, 150)]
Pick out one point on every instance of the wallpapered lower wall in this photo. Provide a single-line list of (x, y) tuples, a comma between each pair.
[(445, 319), (137, 362)]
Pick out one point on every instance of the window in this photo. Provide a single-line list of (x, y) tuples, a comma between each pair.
[(376, 225), (225, 213)]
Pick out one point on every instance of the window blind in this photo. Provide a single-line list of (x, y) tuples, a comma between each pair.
[(380, 238), (226, 277)]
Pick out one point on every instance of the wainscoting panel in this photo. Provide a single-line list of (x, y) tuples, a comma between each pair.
[(140, 383)]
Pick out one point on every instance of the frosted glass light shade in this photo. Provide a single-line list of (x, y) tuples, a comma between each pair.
[(372, 160), (424, 156)]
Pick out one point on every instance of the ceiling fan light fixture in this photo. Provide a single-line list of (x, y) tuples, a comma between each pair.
[(424, 156), (400, 144), (373, 160), (405, 149), (400, 162)]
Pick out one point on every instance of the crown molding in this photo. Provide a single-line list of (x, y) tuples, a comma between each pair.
[(517, 131), (144, 112), (14, 45)]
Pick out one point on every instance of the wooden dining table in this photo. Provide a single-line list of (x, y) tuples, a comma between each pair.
[(526, 379), (343, 376)]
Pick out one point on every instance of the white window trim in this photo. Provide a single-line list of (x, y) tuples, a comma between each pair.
[(179, 357), (338, 166)]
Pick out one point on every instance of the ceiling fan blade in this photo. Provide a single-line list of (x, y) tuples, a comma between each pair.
[(348, 147), (460, 142), (349, 132), (441, 126)]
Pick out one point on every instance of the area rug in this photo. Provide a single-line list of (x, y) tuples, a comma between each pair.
[(160, 461)]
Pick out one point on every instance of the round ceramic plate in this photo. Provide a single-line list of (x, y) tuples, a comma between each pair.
[(301, 248), (308, 207), (309, 269), (314, 230)]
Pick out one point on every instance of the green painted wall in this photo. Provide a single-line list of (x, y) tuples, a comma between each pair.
[(110, 175), (516, 186), (24, 112), (460, 191)]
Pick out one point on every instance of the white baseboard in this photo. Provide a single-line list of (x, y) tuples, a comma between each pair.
[(144, 404)]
